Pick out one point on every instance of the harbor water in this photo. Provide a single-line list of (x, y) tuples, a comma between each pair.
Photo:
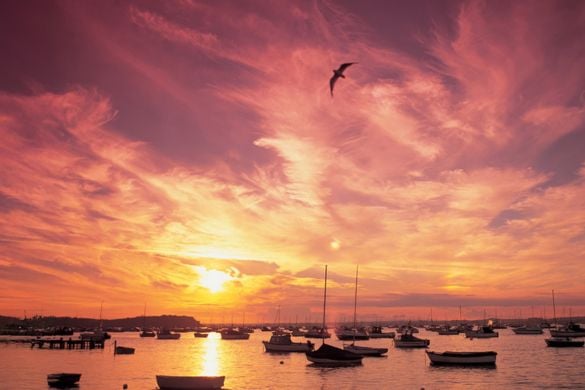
[(523, 362)]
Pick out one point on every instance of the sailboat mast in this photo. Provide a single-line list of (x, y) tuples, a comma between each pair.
[(355, 301), (554, 307), (324, 305)]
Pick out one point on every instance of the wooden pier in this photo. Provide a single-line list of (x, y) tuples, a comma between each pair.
[(67, 344)]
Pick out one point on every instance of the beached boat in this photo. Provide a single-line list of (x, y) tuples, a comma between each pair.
[(376, 332), (281, 342), (408, 340), (483, 332), (328, 355), (487, 358), (563, 342), (165, 334), (234, 334), (528, 330), (167, 382), (63, 379)]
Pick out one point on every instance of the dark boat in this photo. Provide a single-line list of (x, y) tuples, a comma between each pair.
[(328, 355), (63, 379), (563, 342), (147, 333), (487, 358)]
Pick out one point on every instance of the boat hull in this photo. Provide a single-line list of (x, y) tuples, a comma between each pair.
[(463, 358), (527, 331), (480, 335), (243, 336), (124, 351), (365, 351), (566, 333), (63, 379), (166, 382), (411, 344), (172, 336), (564, 343), (328, 355), (294, 347)]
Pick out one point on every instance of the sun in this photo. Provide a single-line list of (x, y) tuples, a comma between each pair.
[(212, 279)]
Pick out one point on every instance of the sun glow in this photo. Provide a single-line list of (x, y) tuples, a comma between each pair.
[(212, 279)]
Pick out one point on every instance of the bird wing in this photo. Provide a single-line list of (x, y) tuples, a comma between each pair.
[(343, 67), (332, 81)]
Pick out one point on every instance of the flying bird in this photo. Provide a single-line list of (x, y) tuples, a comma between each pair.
[(337, 73)]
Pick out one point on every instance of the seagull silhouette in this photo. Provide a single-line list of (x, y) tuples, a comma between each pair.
[(337, 73)]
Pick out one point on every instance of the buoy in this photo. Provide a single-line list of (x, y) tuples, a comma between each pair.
[(281, 362)]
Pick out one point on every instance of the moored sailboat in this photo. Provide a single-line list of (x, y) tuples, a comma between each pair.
[(328, 355), (358, 349)]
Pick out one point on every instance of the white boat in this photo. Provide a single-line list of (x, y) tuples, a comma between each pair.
[(165, 334), (167, 382), (234, 334), (407, 340), (483, 332), (487, 358), (377, 333), (63, 379), (528, 330), (282, 342)]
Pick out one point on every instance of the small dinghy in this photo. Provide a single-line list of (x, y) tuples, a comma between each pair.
[(167, 382), (487, 358), (63, 379)]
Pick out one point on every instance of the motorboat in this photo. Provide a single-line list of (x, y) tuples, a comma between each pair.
[(376, 332), (317, 333), (448, 331), (234, 334), (487, 358), (147, 333), (167, 382), (483, 332), (563, 342), (282, 342), (407, 329), (201, 334), (63, 379), (571, 330), (528, 330), (346, 333), (365, 351), (165, 334), (408, 340), (98, 335)]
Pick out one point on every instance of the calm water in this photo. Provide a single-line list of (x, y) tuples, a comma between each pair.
[(524, 362)]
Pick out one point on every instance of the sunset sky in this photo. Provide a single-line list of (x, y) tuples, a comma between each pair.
[(188, 156)]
